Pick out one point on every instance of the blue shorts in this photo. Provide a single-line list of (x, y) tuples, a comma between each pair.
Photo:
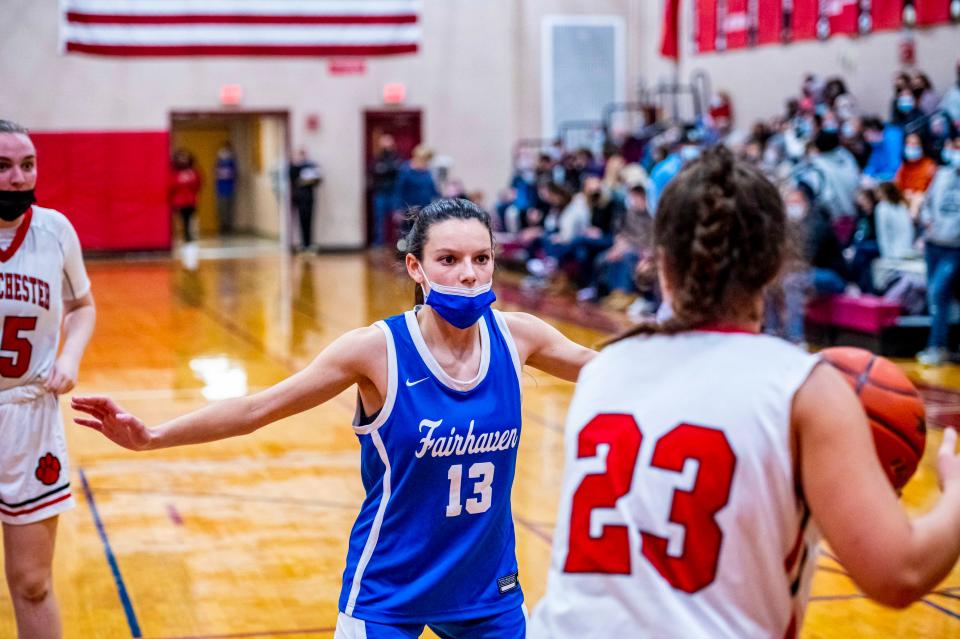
[(509, 625)]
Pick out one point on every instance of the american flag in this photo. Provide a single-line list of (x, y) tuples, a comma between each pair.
[(240, 27)]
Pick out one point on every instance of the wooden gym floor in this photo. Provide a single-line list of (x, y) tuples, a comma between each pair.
[(247, 537)]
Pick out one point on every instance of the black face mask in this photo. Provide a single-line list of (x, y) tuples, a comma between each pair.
[(13, 204)]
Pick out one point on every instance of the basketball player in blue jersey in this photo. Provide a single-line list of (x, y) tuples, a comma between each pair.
[(438, 418)]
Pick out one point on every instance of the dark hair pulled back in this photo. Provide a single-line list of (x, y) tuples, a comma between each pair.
[(721, 229), (9, 126), (421, 220)]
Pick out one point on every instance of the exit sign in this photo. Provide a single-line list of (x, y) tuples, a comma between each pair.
[(347, 66)]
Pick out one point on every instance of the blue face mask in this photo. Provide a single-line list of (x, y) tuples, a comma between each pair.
[(952, 157), (689, 153), (460, 306), (905, 104), (912, 153)]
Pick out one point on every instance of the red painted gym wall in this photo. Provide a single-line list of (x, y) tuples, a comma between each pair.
[(112, 185)]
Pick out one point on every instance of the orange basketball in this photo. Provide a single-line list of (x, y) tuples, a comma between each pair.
[(893, 406)]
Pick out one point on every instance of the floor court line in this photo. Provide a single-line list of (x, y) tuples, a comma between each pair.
[(111, 560), (945, 611)]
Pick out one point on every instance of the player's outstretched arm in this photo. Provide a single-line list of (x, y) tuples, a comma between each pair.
[(545, 348), (893, 559), (356, 355)]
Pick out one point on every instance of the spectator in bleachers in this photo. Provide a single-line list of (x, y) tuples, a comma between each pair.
[(906, 111), (685, 150), (940, 129), (822, 269), (613, 177), (951, 100), (606, 209), (895, 230), (927, 98), (864, 245), (886, 149), (940, 216), (569, 216), (838, 99), (918, 167), (631, 243), (852, 139), (383, 182), (837, 175)]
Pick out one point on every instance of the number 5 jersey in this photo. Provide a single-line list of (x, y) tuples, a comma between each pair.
[(41, 265), (679, 515), (434, 540)]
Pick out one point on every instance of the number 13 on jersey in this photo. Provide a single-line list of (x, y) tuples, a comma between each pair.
[(616, 439), (481, 471)]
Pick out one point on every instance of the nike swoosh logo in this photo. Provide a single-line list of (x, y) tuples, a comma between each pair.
[(409, 383)]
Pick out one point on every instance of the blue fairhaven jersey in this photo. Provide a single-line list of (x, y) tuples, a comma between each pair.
[(434, 540)]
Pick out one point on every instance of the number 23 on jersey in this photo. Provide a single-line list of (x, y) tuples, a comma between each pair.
[(615, 439)]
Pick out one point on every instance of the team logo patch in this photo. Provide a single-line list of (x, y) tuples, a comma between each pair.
[(48, 469), (508, 583)]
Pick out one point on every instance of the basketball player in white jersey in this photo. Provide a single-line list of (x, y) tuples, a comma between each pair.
[(703, 459), (43, 285)]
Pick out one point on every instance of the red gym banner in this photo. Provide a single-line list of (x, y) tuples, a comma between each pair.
[(886, 14), (931, 12), (670, 42), (111, 185), (769, 22), (734, 24), (803, 19), (842, 16), (705, 26)]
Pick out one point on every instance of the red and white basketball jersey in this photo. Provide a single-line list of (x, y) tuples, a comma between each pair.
[(678, 515), (40, 266)]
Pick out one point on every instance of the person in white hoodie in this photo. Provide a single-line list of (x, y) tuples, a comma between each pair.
[(895, 231)]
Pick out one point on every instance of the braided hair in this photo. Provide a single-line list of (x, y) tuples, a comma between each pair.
[(721, 229)]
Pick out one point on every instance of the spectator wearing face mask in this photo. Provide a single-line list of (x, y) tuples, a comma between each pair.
[(606, 209), (685, 151), (918, 168), (851, 137), (940, 216), (906, 112), (820, 270), (940, 129)]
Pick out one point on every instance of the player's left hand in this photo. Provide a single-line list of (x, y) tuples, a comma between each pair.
[(62, 377)]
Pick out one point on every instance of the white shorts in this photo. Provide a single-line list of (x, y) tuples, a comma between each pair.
[(34, 469)]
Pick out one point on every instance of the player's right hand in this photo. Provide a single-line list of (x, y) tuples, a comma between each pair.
[(117, 425), (948, 461)]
